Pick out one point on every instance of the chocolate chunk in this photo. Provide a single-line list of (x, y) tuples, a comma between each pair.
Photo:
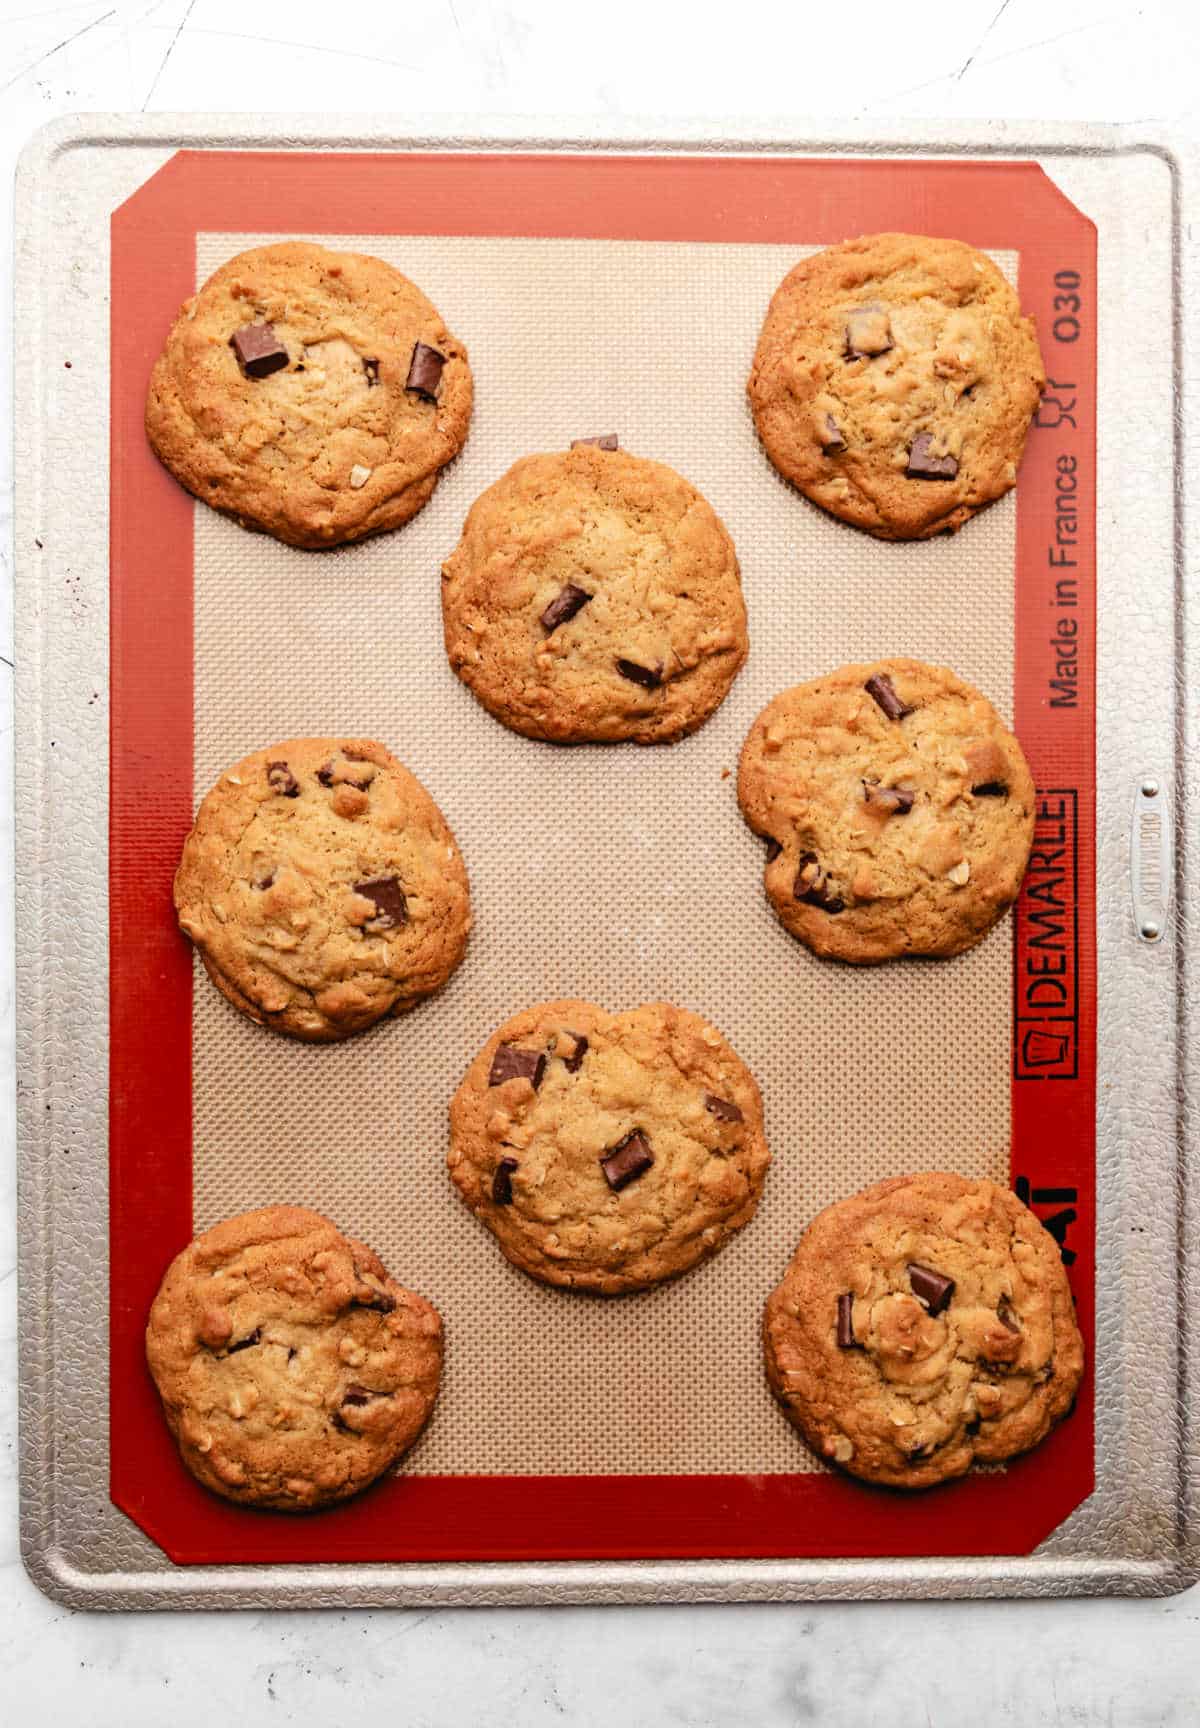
[(845, 1323), (564, 607), (371, 368), (244, 1343), (990, 789), (262, 883), (259, 350), (880, 686), (924, 465), (381, 1300), (328, 774), (387, 896), (512, 1063), (722, 1108), (281, 779), (810, 886), (502, 1192), (627, 1160), (895, 800), (932, 1288), (868, 332), (425, 371), (833, 443), (355, 1394), (574, 1062), (608, 441), (774, 848), (1006, 1315), (649, 677)]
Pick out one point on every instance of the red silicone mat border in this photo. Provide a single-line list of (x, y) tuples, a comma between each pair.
[(695, 198)]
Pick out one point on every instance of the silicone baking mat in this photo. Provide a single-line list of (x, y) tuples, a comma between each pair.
[(593, 295)]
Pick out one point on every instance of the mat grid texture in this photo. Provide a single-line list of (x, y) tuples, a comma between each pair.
[(616, 874)]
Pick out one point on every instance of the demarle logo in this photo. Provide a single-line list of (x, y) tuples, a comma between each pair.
[(1045, 977)]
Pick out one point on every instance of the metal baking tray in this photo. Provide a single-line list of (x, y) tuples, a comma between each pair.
[(1137, 1533)]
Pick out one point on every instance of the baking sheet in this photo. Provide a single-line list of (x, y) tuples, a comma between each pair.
[(729, 1578)]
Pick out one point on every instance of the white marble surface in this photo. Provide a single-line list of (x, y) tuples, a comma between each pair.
[(1119, 1663)]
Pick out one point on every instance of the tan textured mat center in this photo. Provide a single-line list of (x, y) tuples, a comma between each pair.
[(613, 873)]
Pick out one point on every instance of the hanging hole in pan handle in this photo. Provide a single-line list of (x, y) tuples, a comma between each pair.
[(1152, 858)]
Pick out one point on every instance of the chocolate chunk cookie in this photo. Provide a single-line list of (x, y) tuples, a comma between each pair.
[(323, 887), (595, 596), (895, 381), (897, 808), (608, 1151), (292, 1369), (922, 1325), (316, 395)]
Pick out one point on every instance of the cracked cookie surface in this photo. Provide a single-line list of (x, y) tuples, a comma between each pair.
[(894, 383), (323, 887), (293, 1370), (924, 1325), (898, 810), (595, 596), (606, 1152), (287, 394)]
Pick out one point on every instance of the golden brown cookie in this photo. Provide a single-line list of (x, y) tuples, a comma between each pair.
[(923, 1325), (897, 807), (895, 381), (595, 596), (323, 887), (316, 395), (606, 1152), (293, 1370)]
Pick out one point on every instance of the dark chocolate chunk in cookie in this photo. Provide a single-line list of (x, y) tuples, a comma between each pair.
[(563, 607), (512, 1063), (391, 906), (812, 887), (929, 1286), (845, 1323), (924, 465), (259, 350), (724, 1109), (627, 1160), (281, 779), (425, 372), (502, 1190), (574, 1062), (606, 441), (833, 442), (880, 686), (649, 677)]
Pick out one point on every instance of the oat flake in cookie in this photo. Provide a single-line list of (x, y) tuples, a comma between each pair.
[(922, 1326), (897, 808), (895, 381), (595, 596), (323, 887), (606, 1152), (316, 395), (293, 1370)]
